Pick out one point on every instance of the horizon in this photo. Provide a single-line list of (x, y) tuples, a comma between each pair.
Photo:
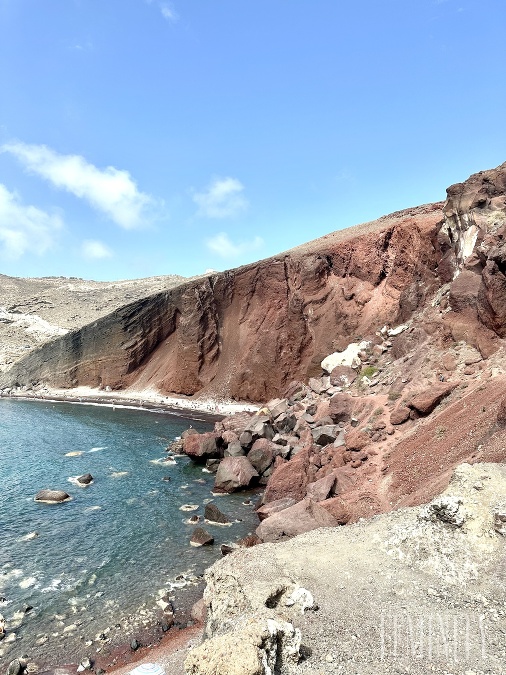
[(150, 138)]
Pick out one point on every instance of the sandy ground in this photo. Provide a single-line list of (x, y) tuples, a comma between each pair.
[(147, 399)]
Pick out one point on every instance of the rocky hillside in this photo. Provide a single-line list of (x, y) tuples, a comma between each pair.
[(35, 311), (247, 332)]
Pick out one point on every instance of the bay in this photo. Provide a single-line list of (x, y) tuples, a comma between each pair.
[(102, 559)]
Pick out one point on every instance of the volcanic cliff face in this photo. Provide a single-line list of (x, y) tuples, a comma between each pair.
[(245, 333)]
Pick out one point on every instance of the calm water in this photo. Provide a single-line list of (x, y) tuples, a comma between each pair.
[(110, 551)]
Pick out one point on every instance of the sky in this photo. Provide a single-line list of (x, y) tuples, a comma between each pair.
[(149, 137)]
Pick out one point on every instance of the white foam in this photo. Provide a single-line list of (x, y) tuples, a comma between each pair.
[(26, 583)]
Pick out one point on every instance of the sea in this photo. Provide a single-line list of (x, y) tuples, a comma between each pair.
[(80, 575)]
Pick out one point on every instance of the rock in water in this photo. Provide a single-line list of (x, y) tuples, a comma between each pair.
[(233, 474), (214, 515), (201, 537), (85, 479), (52, 496)]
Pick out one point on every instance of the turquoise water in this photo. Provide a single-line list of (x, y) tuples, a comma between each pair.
[(104, 557)]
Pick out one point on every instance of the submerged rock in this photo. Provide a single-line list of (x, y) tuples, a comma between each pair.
[(214, 515), (52, 496), (201, 537)]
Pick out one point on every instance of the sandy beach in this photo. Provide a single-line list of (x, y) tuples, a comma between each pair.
[(147, 399)]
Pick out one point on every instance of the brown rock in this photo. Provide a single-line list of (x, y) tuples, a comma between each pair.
[(356, 440), (199, 611), (249, 540), (234, 473), (261, 454), (213, 514), (201, 537), (201, 446), (342, 376), (273, 507), (289, 480), (302, 517), (399, 415), (230, 437), (501, 413), (341, 407), (449, 362), (52, 496), (321, 489), (425, 401)]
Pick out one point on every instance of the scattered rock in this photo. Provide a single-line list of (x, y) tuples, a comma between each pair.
[(52, 496), (400, 415), (213, 514), (85, 479), (302, 517), (201, 537), (273, 507), (233, 474), (201, 446), (425, 401)]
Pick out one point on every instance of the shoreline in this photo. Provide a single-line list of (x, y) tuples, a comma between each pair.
[(209, 409)]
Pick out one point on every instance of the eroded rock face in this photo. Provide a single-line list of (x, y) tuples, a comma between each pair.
[(210, 334)]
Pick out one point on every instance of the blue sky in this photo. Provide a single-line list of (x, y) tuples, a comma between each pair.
[(152, 137)]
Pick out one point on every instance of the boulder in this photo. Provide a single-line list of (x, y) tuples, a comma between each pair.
[(201, 446), (261, 454), (277, 406), (85, 479), (349, 357), (302, 517), (340, 408), (325, 434), (321, 489), (285, 423), (229, 437), (188, 432), (289, 479), (201, 537), (213, 514), (249, 541), (246, 439), (234, 473), (234, 449), (342, 376), (52, 496), (212, 465), (199, 611), (261, 427), (273, 507), (399, 415), (425, 401), (295, 391), (356, 440)]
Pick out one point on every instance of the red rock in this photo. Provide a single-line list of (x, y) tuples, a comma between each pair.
[(425, 401), (338, 509), (340, 407), (449, 362), (273, 507), (249, 540), (201, 537), (399, 415), (230, 437), (261, 454), (201, 446), (321, 489), (302, 517), (356, 440), (234, 473), (289, 480)]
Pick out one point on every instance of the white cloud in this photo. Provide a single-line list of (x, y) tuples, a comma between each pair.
[(224, 247), (168, 12), (109, 190), (92, 249), (25, 228), (223, 198)]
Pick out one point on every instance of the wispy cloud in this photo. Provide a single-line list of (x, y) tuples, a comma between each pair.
[(111, 191), (224, 247), (92, 249), (223, 198), (167, 10), (24, 228)]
